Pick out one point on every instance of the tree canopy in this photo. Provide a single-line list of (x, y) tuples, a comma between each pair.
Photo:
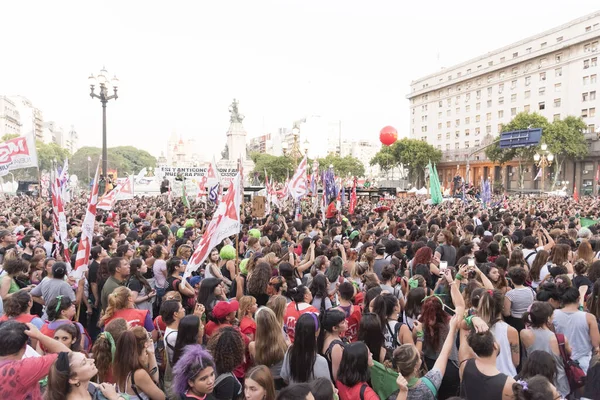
[(125, 159), (343, 166)]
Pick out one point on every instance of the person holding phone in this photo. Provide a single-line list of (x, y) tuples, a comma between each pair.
[(445, 251)]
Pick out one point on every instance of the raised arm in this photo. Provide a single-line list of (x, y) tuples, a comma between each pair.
[(442, 360)]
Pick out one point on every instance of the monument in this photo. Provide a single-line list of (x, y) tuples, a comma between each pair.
[(236, 134)]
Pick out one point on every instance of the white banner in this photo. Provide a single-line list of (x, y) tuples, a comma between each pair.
[(17, 153)]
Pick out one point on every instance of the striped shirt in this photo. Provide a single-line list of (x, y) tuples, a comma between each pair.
[(520, 299)]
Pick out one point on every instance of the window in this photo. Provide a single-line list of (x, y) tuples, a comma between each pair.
[(440, 115), (467, 132), (527, 66), (500, 88), (542, 76), (439, 147), (466, 144), (515, 70), (542, 91), (447, 135), (476, 143), (558, 58), (467, 108), (543, 44), (513, 97), (458, 74), (457, 110), (592, 112), (424, 107), (478, 94), (424, 118), (515, 55), (457, 122), (594, 62), (502, 59), (478, 118), (586, 80), (559, 39), (584, 96), (449, 77), (467, 120), (456, 146), (447, 146), (584, 113), (527, 94), (488, 116), (489, 91), (489, 78), (424, 138), (424, 128), (439, 136), (502, 74), (527, 108), (488, 129), (593, 95), (586, 63), (478, 106), (448, 112), (527, 80), (542, 105), (490, 63), (467, 97), (543, 61), (500, 100), (558, 72), (501, 114), (528, 50), (513, 111), (477, 131), (439, 125), (556, 103), (469, 71), (593, 79), (440, 104), (556, 117), (489, 103), (591, 128), (448, 124), (557, 87), (478, 82), (448, 102)]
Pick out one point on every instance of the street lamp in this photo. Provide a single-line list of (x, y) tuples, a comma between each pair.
[(103, 81), (543, 159)]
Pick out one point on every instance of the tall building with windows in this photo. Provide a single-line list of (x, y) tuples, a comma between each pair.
[(10, 120), (462, 108)]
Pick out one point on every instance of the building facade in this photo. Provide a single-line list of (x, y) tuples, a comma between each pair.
[(461, 109), (10, 120), (32, 119)]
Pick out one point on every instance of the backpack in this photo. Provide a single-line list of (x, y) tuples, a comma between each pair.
[(384, 384), (574, 373), (389, 351)]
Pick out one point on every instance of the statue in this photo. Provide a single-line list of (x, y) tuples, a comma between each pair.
[(235, 114)]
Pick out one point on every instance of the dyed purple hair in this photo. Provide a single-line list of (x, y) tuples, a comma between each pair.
[(193, 360)]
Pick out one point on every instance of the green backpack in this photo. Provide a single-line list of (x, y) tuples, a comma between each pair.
[(383, 381)]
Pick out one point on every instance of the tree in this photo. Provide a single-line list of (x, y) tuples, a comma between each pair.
[(47, 154), (415, 155), (277, 168), (524, 155), (343, 166), (385, 159), (125, 159), (566, 140)]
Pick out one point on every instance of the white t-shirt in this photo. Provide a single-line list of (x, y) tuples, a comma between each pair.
[(170, 338)]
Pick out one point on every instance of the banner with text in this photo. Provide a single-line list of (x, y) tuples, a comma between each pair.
[(197, 173), (17, 153)]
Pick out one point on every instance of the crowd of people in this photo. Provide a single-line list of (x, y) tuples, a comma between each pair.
[(399, 300)]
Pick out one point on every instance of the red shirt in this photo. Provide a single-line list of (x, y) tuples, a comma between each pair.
[(353, 393), (24, 377), (248, 326), (291, 316), (331, 210)]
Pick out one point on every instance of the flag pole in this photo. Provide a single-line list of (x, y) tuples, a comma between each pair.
[(40, 197)]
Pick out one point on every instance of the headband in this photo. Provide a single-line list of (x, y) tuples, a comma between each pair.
[(59, 298), (111, 340), (316, 320), (439, 297), (413, 283)]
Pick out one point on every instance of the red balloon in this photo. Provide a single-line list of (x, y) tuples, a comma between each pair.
[(388, 135)]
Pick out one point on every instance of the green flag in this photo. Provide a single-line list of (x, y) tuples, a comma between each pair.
[(585, 222), (184, 198), (434, 185)]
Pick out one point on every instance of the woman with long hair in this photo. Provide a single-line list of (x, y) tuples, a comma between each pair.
[(517, 260), (227, 349), (61, 310), (258, 282), (301, 299), (538, 336), (69, 335), (539, 363), (213, 269), (277, 286), (141, 291), (302, 363), (371, 333), (176, 282), (269, 346), (329, 342), (18, 307), (517, 300), (136, 372), (319, 288), (194, 374), (412, 309), (120, 305), (278, 305), (497, 278), (593, 301), (585, 252), (541, 258), (387, 307), (246, 312), (211, 291), (189, 331), (13, 269), (105, 346), (259, 384)]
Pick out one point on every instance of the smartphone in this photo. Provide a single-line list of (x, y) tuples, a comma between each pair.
[(443, 266), (471, 262)]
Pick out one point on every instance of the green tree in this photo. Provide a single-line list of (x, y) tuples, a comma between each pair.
[(125, 159), (385, 159), (524, 155), (277, 168), (566, 140), (415, 155), (47, 153), (343, 166)]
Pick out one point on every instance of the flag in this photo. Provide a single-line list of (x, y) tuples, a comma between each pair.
[(575, 194), (224, 223), (268, 191), (170, 197), (330, 191), (107, 201), (16, 153), (538, 175), (598, 174), (126, 191), (343, 195), (202, 186), (59, 219), (297, 187), (214, 182), (87, 229), (184, 198), (434, 185), (485, 192), (352, 205)]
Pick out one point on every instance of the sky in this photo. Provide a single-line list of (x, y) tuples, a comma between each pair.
[(181, 63)]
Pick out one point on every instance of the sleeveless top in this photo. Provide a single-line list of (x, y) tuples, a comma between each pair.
[(541, 342), (474, 383), (575, 327), (142, 395), (504, 360)]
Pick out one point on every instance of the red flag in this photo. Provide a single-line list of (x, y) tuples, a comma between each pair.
[(298, 186), (352, 204), (59, 219), (575, 194), (87, 229)]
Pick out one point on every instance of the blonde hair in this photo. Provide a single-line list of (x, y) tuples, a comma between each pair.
[(269, 344), (246, 302), (117, 300), (277, 304)]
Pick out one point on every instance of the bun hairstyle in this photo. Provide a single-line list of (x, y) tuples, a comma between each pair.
[(59, 270), (297, 294), (538, 314), (536, 388)]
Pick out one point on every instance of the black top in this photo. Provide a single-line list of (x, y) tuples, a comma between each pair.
[(474, 383), (227, 388)]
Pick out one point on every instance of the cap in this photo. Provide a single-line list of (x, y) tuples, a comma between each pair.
[(224, 308), (194, 280), (354, 234)]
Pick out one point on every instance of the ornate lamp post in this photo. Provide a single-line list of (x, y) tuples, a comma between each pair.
[(102, 81), (543, 159)]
